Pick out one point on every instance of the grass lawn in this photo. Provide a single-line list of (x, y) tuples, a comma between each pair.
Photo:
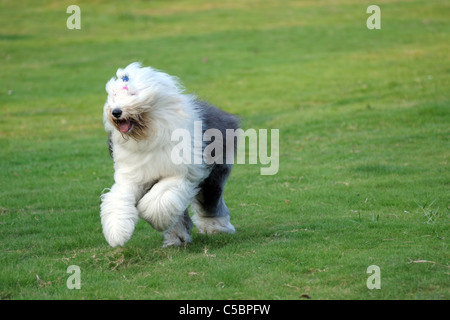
[(364, 123)]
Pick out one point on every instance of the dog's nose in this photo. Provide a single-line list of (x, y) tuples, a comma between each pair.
[(117, 113)]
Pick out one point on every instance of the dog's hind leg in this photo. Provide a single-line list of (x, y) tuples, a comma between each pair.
[(211, 213), (180, 232)]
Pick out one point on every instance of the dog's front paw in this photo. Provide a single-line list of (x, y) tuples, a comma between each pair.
[(118, 219), (159, 218), (161, 209), (211, 225), (118, 231)]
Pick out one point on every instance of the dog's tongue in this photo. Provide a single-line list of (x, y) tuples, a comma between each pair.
[(124, 126)]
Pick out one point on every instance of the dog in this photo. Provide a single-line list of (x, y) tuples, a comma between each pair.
[(143, 110)]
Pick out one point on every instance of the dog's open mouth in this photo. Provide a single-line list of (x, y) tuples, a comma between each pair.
[(124, 125), (133, 126)]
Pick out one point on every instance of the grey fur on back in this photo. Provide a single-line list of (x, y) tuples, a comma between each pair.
[(215, 118)]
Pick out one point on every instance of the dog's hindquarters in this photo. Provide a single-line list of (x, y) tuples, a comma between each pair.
[(211, 213)]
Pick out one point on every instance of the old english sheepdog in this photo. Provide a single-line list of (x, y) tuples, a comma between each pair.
[(143, 111)]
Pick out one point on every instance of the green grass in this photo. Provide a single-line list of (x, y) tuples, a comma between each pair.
[(364, 173)]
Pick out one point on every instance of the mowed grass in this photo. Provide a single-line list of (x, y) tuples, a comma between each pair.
[(363, 117)]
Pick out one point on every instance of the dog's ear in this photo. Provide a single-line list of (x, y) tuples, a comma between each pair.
[(109, 85), (106, 122)]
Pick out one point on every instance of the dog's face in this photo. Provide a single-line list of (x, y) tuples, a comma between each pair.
[(131, 120), (126, 109), (133, 100)]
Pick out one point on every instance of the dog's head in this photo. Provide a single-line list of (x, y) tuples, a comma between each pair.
[(135, 98)]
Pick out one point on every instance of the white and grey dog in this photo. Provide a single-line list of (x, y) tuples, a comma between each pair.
[(143, 109)]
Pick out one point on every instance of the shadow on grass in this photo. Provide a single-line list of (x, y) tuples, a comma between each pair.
[(148, 250)]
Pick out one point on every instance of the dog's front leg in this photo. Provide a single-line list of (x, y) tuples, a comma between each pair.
[(119, 214), (166, 201)]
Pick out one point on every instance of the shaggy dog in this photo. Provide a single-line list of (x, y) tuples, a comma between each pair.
[(144, 109)]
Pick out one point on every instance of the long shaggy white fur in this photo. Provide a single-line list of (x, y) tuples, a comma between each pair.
[(143, 108)]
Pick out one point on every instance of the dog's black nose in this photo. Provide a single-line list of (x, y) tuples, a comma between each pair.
[(117, 113)]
